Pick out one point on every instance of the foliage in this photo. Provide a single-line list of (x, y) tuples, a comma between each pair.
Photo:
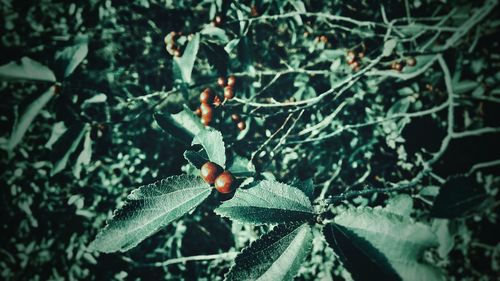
[(368, 149)]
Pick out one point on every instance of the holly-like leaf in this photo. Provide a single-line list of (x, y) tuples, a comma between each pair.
[(26, 69), (148, 209), (306, 186), (182, 126), (377, 242), (183, 66), (70, 57), (26, 119), (267, 202), (212, 142), (65, 146), (460, 196), (275, 256)]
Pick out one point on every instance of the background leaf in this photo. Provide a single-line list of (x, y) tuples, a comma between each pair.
[(26, 69), (70, 57), (196, 158), (267, 202), (149, 208), (26, 119), (460, 196), (65, 146), (212, 142), (275, 256), (183, 66), (377, 242), (84, 156), (182, 126)]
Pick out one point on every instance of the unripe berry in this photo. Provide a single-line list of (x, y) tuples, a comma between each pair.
[(221, 81), (411, 61), (231, 81), (242, 125), (209, 172), (224, 182), (228, 92), (207, 96)]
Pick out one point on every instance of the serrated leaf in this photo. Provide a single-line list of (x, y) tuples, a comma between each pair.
[(148, 209), (32, 110), (26, 69), (212, 142), (275, 256), (267, 202), (183, 66), (70, 57), (84, 156), (182, 126), (460, 196), (65, 146), (377, 242), (306, 186), (401, 204)]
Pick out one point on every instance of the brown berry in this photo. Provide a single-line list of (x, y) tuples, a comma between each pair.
[(235, 117), (217, 101), (228, 92), (231, 81), (323, 38), (206, 119), (397, 66), (351, 57), (361, 55), (241, 125), (253, 11), (355, 65), (217, 20), (411, 61), (221, 81), (207, 96), (177, 52), (209, 172), (224, 182)]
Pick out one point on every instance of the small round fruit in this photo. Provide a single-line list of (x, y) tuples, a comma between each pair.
[(235, 117), (355, 65), (397, 66), (241, 125), (217, 20), (209, 172), (206, 109), (411, 61), (361, 55), (231, 81), (224, 182), (323, 38), (206, 120), (177, 52), (228, 92), (351, 57), (221, 81), (207, 96)]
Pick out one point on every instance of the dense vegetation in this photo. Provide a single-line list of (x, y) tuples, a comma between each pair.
[(362, 137)]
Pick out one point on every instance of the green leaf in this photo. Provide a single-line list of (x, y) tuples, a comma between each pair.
[(215, 34), (275, 256), (401, 204), (26, 69), (212, 142), (240, 166), (99, 98), (378, 242), (58, 130), (460, 196), (70, 57), (389, 46), (183, 66), (148, 209), (65, 146), (196, 158), (306, 186), (84, 156), (32, 110), (217, 57), (182, 126), (267, 202)]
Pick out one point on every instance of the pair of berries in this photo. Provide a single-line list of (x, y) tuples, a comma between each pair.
[(239, 123), (228, 87), (399, 65), (353, 59), (170, 42), (223, 181)]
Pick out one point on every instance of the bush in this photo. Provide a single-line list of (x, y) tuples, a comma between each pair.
[(348, 140)]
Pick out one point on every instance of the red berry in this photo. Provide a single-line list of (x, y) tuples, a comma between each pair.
[(241, 125), (217, 101), (177, 52), (224, 182), (221, 81), (351, 57), (209, 172), (228, 92), (207, 96), (355, 65), (397, 66), (235, 117), (197, 112), (206, 109), (411, 61), (206, 120), (231, 81)]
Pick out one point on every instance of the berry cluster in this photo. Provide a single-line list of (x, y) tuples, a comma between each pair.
[(170, 44), (398, 65), (209, 99), (222, 180), (354, 59)]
